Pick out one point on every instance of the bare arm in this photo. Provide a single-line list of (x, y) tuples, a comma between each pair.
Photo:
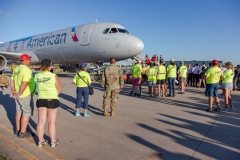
[(58, 85), (13, 90)]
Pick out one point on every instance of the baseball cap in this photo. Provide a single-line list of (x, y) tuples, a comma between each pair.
[(172, 60), (46, 62), (182, 62), (24, 57), (215, 62), (139, 61), (83, 65)]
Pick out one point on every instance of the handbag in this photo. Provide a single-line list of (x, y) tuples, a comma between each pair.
[(91, 91)]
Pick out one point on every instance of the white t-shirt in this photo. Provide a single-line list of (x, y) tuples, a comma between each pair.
[(196, 70)]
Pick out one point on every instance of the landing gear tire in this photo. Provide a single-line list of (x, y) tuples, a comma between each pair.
[(97, 77)]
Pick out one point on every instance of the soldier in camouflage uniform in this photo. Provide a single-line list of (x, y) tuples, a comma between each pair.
[(112, 81)]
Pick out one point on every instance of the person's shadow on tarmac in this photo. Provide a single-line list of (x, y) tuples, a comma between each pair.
[(9, 105)]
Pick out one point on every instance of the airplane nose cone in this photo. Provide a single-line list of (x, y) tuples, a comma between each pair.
[(139, 46)]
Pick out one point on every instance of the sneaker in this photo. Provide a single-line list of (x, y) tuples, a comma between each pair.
[(26, 134), (225, 109), (208, 110), (232, 108), (16, 132), (86, 115), (54, 144), (77, 113), (40, 144), (217, 109)]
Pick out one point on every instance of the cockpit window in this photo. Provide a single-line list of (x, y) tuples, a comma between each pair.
[(113, 30), (123, 30), (106, 30)]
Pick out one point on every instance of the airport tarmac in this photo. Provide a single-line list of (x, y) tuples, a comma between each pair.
[(144, 128)]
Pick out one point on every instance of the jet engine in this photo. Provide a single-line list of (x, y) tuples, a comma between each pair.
[(3, 62)]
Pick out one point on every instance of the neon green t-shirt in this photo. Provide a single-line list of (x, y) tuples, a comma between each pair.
[(151, 73), (171, 71), (137, 70), (161, 72), (23, 74), (182, 71), (213, 75), (228, 76), (86, 77), (46, 85)]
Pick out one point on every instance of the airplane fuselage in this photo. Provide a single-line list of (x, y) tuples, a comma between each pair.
[(95, 42)]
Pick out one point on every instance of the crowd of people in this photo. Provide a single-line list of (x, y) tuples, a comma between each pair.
[(162, 78), (156, 74)]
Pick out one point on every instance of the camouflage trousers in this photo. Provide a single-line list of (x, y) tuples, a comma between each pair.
[(110, 94)]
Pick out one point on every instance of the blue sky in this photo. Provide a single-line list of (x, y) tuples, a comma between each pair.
[(179, 29)]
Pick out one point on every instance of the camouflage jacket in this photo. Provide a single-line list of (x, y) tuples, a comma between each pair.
[(112, 77)]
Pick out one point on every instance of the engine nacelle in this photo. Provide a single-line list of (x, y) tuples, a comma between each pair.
[(3, 62)]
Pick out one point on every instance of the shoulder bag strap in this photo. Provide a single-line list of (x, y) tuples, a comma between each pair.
[(82, 78)]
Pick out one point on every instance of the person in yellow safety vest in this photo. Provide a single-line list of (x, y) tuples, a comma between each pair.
[(22, 86), (144, 74), (49, 88), (182, 74), (171, 76), (136, 73), (227, 84), (212, 78), (151, 73), (161, 78), (82, 80)]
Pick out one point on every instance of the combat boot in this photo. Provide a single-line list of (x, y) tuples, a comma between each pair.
[(105, 113), (113, 112)]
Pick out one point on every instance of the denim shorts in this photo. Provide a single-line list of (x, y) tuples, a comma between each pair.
[(152, 84), (227, 85), (212, 90)]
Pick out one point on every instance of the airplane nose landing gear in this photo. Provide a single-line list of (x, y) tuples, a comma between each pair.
[(97, 77)]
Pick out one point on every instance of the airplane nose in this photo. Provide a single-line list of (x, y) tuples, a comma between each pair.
[(138, 45)]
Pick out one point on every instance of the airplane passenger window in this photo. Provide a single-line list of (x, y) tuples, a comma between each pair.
[(106, 30), (123, 30), (113, 30)]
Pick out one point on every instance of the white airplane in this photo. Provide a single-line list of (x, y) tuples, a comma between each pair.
[(94, 43)]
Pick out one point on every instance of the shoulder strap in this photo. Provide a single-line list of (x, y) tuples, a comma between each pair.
[(82, 78)]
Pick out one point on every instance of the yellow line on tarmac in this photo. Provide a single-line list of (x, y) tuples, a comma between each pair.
[(17, 148), (32, 143)]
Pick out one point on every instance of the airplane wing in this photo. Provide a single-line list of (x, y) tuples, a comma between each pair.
[(11, 55), (8, 57), (16, 56)]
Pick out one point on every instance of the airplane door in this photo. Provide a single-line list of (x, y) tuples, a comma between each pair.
[(85, 34)]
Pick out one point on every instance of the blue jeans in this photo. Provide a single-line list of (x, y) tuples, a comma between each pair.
[(82, 92), (171, 86)]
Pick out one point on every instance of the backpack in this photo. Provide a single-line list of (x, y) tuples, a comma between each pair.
[(4, 80)]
